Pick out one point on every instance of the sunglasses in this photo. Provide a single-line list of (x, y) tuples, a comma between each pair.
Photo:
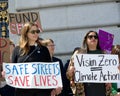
[(35, 31), (91, 36)]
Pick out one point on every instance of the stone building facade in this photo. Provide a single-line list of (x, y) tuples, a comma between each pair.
[(67, 21)]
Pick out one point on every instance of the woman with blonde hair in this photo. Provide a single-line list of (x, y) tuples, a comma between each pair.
[(31, 50)]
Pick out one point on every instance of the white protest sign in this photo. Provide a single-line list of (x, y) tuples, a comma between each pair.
[(33, 75), (96, 68)]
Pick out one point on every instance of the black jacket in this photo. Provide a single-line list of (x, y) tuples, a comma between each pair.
[(39, 55)]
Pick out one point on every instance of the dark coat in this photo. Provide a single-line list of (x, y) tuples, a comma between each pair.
[(55, 59)]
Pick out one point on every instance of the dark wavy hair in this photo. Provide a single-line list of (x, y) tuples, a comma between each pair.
[(85, 46)]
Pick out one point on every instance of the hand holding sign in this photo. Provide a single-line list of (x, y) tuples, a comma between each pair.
[(56, 91), (3, 74)]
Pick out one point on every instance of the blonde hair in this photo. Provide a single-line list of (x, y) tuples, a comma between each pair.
[(24, 43)]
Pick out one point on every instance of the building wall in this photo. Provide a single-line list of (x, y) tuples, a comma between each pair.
[(67, 21)]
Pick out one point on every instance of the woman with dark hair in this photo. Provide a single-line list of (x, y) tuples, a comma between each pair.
[(90, 46)]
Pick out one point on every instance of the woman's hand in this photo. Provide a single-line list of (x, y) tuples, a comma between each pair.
[(53, 92), (3, 74), (56, 91)]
